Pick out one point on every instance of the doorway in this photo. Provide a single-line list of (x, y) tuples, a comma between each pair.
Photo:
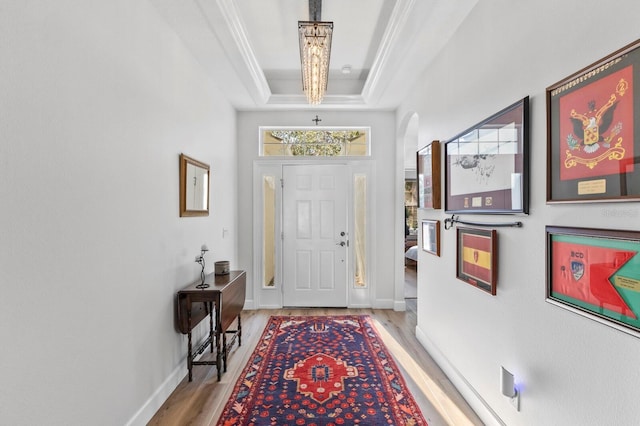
[(315, 236)]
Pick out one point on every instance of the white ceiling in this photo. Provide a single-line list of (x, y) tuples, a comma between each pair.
[(252, 47)]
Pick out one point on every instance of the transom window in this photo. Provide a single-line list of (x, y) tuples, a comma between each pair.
[(314, 141)]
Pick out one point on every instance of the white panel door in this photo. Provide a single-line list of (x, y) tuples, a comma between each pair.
[(315, 237)]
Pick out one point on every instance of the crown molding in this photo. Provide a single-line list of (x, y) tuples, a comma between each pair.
[(238, 32)]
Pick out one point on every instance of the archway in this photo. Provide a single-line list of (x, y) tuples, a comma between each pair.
[(407, 146)]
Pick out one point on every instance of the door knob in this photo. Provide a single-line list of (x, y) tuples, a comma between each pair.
[(341, 243)]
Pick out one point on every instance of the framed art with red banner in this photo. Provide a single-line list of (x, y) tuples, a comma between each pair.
[(486, 167), (595, 273), (593, 149), (428, 170), (477, 258)]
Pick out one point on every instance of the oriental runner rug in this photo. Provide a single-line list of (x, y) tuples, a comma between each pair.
[(321, 371)]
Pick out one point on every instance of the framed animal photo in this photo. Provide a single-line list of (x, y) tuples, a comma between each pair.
[(487, 166)]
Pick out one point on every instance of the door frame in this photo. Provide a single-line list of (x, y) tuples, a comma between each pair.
[(272, 297)]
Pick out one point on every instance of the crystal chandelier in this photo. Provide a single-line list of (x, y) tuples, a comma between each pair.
[(315, 51)]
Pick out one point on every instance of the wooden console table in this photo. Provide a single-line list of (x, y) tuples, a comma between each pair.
[(222, 302)]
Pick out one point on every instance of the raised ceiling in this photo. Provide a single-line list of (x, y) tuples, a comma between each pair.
[(251, 47)]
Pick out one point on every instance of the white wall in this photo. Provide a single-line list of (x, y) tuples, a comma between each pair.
[(572, 370), (383, 147), (97, 100)]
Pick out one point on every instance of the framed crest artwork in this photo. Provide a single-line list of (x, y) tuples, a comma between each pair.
[(593, 149), (477, 258), (428, 170), (487, 166), (431, 236), (595, 273)]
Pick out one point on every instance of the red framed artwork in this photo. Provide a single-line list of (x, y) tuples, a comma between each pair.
[(593, 146), (595, 273), (477, 258)]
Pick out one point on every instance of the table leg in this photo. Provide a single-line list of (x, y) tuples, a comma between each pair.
[(218, 350), (189, 354), (211, 324), (224, 350)]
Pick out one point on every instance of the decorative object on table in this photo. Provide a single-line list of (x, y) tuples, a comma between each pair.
[(321, 370), (194, 187), (428, 171), (477, 258), (200, 260), (431, 236), (593, 147), (487, 166), (596, 273), (222, 267)]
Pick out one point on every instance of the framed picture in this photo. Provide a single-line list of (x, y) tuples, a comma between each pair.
[(595, 273), (428, 169), (487, 166), (593, 151), (477, 257), (431, 236)]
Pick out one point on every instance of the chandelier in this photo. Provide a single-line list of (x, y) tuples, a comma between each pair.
[(315, 52)]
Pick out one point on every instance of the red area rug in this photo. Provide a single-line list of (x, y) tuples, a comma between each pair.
[(322, 371)]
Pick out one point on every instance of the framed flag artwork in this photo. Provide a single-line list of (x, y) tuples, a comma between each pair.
[(487, 166), (593, 148), (431, 236), (428, 170), (477, 258), (595, 273)]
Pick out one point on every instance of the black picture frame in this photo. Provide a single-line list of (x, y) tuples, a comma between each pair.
[(487, 165)]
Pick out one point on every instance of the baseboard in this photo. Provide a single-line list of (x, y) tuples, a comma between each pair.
[(400, 306), (473, 398), (383, 304), (153, 404)]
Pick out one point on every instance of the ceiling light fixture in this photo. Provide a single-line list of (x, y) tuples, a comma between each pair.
[(315, 52)]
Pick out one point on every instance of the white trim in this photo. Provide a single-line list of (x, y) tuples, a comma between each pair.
[(477, 403), (161, 394), (271, 298), (239, 34), (388, 44)]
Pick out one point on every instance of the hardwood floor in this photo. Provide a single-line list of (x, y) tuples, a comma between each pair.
[(201, 401)]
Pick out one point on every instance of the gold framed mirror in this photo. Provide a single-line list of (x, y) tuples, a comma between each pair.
[(194, 187)]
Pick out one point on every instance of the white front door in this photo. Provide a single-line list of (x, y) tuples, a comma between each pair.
[(315, 235)]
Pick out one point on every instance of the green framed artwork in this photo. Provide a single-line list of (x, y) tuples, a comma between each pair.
[(595, 273)]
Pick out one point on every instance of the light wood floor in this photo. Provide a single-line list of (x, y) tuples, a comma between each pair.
[(201, 401)]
